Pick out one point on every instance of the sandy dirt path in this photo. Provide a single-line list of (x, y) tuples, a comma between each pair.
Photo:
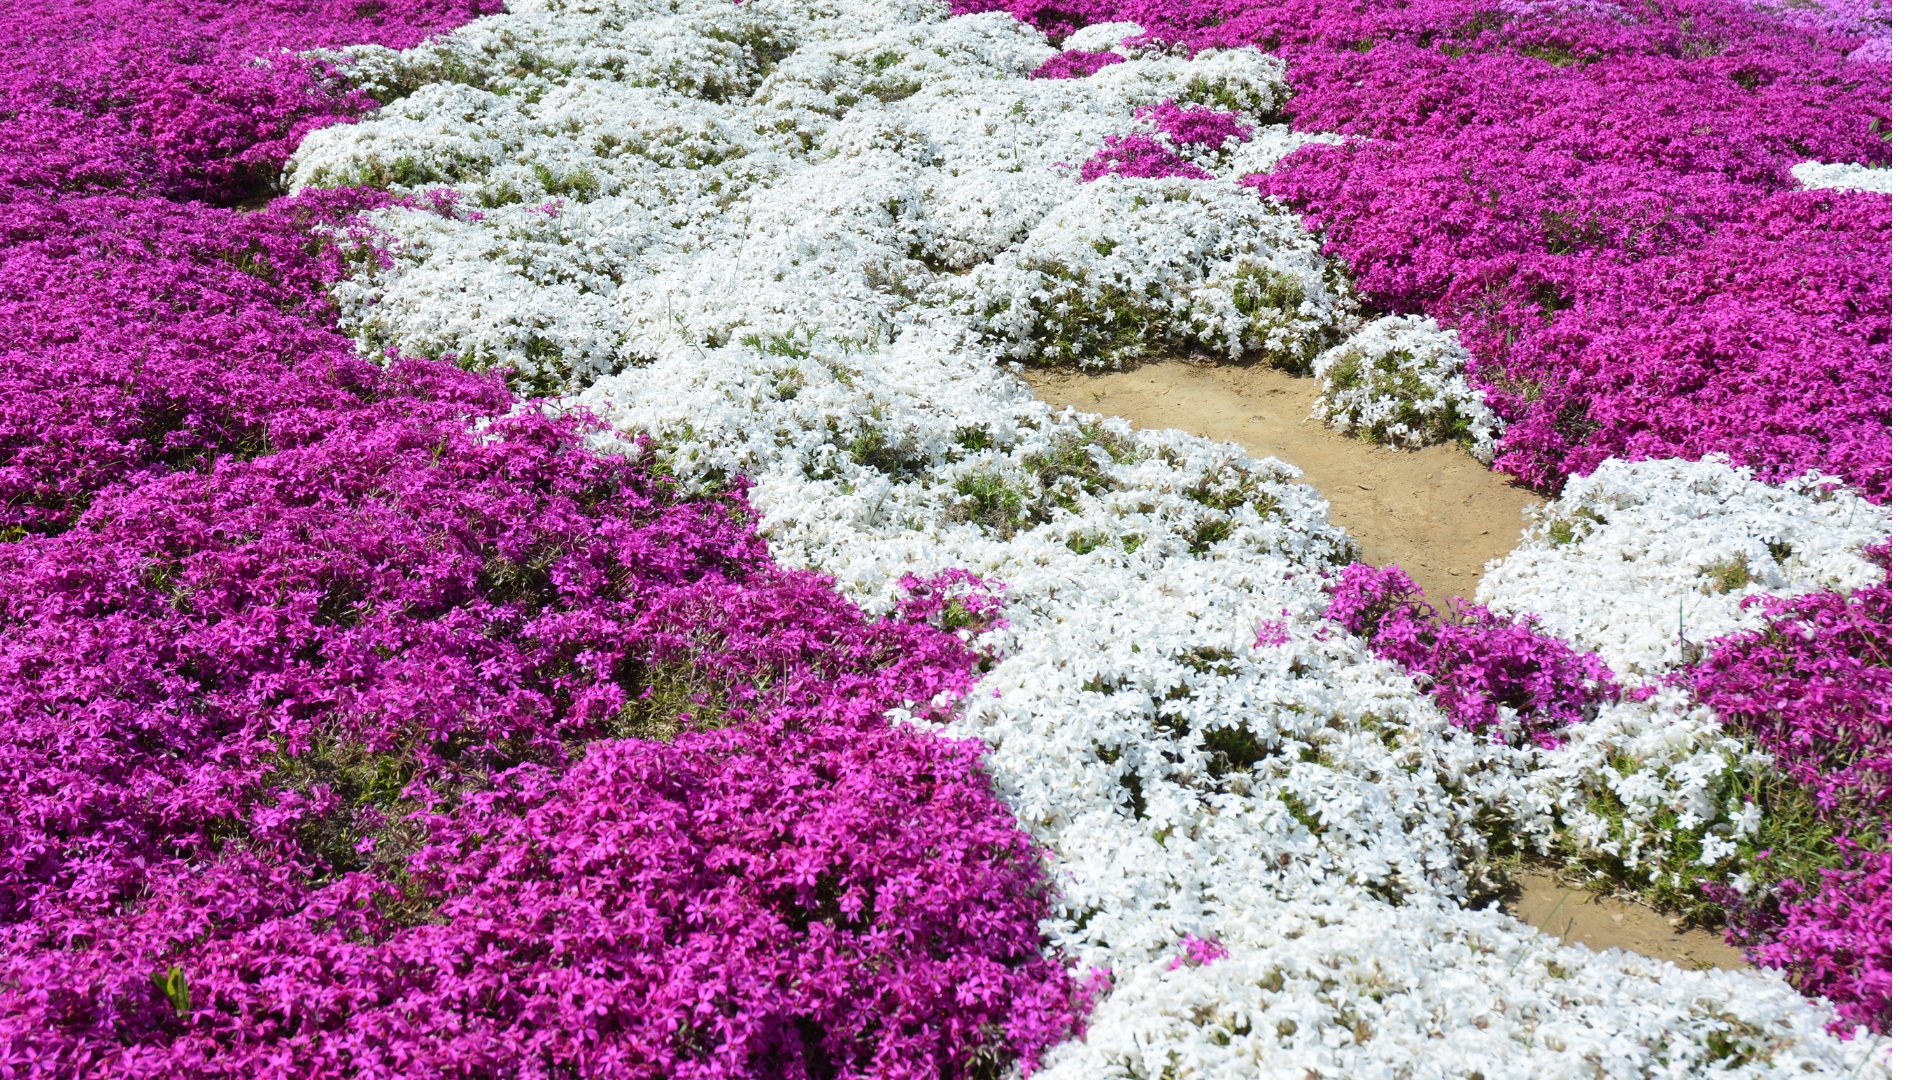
[(1575, 915), (1436, 512)]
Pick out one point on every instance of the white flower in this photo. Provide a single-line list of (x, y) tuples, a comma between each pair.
[(1402, 381), (1843, 176), (1643, 562)]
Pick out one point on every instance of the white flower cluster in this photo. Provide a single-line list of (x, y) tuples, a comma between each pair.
[(1645, 562), (1128, 264), (1843, 176), (775, 237), (1105, 37), (637, 179), (1642, 783), (1402, 381)]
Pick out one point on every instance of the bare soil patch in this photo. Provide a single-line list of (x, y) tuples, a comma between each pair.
[(1436, 512), (1573, 915)]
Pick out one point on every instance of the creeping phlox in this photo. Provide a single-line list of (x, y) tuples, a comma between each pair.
[(643, 180), (1843, 176), (1744, 615), (796, 243), (316, 758), (1647, 562), (1204, 756), (1402, 381)]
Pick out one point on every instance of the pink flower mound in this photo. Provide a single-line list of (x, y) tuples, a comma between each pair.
[(186, 98), (1148, 157), (1196, 126), (1772, 343), (1138, 155), (755, 902), (1547, 175), (1075, 64), (230, 697), (1836, 943), (335, 698), (141, 336), (1475, 664), (1815, 688)]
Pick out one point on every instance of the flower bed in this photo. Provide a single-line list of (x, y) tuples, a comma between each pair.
[(967, 735), (360, 720), (1601, 200)]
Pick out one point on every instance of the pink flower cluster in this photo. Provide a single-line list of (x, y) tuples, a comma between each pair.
[(1815, 688), (1833, 937), (1179, 129), (1870, 21), (1476, 664), (1075, 64), (303, 730), (357, 721), (1597, 195), (197, 98), (953, 599), (140, 336), (1197, 952)]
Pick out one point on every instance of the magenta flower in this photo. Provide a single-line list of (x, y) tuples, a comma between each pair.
[(1075, 64), (1476, 663)]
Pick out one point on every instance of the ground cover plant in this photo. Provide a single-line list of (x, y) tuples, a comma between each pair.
[(1601, 199), (357, 720), (573, 581)]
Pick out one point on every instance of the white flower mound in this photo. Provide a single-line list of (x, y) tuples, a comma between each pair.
[(1125, 263), (1842, 176), (635, 181), (1684, 762), (1645, 562), (781, 228), (1102, 37), (1402, 381)]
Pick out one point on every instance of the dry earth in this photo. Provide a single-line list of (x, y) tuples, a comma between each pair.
[(1436, 512), (1574, 915)]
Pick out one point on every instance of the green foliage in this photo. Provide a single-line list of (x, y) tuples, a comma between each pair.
[(992, 502), (1729, 575), (1273, 304), (1576, 525), (665, 699), (579, 184), (1232, 749), (871, 447), (1208, 533), (1096, 327), (973, 438), (172, 984), (371, 827), (1793, 842), (787, 345), (1393, 376), (1075, 466)]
